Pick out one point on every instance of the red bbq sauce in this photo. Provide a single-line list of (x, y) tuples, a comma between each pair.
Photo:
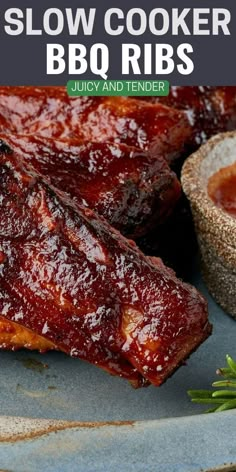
[(222, 189)]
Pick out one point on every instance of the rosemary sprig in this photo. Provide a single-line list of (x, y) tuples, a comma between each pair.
[(223, 399)]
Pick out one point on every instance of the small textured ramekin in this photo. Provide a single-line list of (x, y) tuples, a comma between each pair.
[(216, 230)]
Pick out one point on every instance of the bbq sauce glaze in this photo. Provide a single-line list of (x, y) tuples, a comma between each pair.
[(222, 189)]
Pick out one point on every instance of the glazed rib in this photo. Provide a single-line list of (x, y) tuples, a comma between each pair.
[(70, 278), (210, 110), (49, 112), (131, 189)]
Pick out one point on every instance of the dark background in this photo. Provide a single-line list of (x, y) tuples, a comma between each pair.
[(23, 58)]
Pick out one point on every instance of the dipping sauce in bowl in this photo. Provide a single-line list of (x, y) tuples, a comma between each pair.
[(222, 189)]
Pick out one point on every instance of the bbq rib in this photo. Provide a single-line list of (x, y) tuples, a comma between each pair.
[(131, 189), (49, 112), (69, 277), (210, 110)]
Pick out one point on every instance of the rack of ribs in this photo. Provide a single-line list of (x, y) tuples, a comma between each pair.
[(70, 278), (130, 188), (49, 112)]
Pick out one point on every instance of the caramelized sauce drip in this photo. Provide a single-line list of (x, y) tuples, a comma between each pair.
[(222, 189)]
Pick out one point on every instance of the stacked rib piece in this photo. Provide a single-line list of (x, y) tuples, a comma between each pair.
[(71, 278)]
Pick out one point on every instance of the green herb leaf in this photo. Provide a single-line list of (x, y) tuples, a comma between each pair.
[(224, 393), (231, 364), (224, 383), (200, 393)]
